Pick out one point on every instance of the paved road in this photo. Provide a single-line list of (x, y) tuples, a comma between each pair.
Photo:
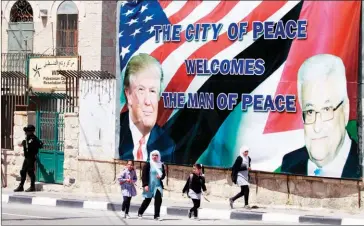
[(22, 214)]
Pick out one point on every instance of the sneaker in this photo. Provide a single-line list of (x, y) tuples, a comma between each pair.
[(231, 202), (196, 218), (189, 215), (127, 216), (31, 189), (158, 219), (247, 207), (19, 189), (140, 216)]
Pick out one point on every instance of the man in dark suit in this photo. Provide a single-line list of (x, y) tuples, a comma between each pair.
[(139, 133), (322, 94)]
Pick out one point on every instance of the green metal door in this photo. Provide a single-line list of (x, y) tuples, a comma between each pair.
[(50, 129)]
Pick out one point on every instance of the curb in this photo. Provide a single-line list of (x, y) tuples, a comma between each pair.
[(183, 211)]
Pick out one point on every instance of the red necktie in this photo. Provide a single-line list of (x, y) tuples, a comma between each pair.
[(140, 151)]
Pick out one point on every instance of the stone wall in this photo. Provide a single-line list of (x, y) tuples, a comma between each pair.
[(70, 164), (12, 160)]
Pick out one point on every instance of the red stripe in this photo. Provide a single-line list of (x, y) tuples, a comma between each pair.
[(181, 81), (333, 28), (223, 8), (184, 11), (164, 3)]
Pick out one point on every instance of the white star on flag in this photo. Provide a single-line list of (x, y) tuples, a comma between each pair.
[(148, 18), (130, 11), (124, 51), (144, 7), (121, 34), (151, 30), (123, 3), (132, 21), (137, 31)]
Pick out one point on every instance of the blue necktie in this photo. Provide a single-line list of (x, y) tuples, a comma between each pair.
[(318, 172)]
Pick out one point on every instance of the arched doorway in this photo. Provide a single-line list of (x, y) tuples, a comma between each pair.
[(21, 28)]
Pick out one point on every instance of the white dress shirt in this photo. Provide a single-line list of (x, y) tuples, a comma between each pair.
[(137, 135), (334, 168)]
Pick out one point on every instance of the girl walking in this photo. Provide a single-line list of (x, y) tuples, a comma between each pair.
[(194, 186), (240, 176), (127, 180), (152, 175)]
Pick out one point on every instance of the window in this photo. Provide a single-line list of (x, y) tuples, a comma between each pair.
[(67, 29), (21, 28), (21, 12)]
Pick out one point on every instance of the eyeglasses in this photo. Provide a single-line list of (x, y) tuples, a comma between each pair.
[(327, 114)]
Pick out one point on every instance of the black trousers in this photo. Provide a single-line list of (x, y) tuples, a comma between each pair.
[(126, 204), (157, 204), (243, 192), (28, 167), (196, 205)]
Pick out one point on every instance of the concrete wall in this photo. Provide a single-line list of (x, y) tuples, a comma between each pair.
[(97, 119), (89, 18)]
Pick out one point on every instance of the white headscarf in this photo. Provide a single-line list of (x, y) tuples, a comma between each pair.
[(242, 150), (156, 165)]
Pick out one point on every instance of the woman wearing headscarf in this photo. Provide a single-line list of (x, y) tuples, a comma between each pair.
[(240, 176), (152, 175)]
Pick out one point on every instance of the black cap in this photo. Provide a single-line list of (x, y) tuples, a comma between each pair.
[(29, 128)]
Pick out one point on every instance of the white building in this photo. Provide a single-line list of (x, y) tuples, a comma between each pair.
[(68, 28)]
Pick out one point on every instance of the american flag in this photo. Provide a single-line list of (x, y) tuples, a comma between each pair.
[(204, 131)]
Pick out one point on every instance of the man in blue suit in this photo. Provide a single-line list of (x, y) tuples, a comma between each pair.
[(139, 133)]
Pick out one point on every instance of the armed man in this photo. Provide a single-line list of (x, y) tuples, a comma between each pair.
[(31, 146)]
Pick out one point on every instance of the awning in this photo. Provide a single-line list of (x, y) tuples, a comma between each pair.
[(49, 95), (13, 74), (87, 74)]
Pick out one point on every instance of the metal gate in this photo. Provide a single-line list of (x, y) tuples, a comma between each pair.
[(50, 129)]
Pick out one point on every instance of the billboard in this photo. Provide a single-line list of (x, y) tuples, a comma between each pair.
[(200, 79)]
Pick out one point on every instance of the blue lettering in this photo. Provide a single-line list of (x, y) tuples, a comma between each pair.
[(158, 30), (199, 66), (205, 29), (246, 100), (165, 99), (214, 66), (232, 100), (257, 29), (259, 66), (290, 103), (279, 103), (176, 33), (258, 99), (180, 100), (249, 66), (225, 67), (302, 29), (222, 101), (233, 31), (197, 33), (243, 30), (192, 101), (191, 67), (237, 67), (269, 27), (268, 104), (216, 28), (189, 32), (166, 32), (289, 31)]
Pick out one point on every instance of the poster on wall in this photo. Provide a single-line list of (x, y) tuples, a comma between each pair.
[(200, 79)]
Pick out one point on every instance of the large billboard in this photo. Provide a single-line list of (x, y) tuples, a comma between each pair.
[(200, 79)]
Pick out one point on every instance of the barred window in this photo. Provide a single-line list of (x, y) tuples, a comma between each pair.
[(67, 29)]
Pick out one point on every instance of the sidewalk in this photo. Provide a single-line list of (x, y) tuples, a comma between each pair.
[(179, 207)]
